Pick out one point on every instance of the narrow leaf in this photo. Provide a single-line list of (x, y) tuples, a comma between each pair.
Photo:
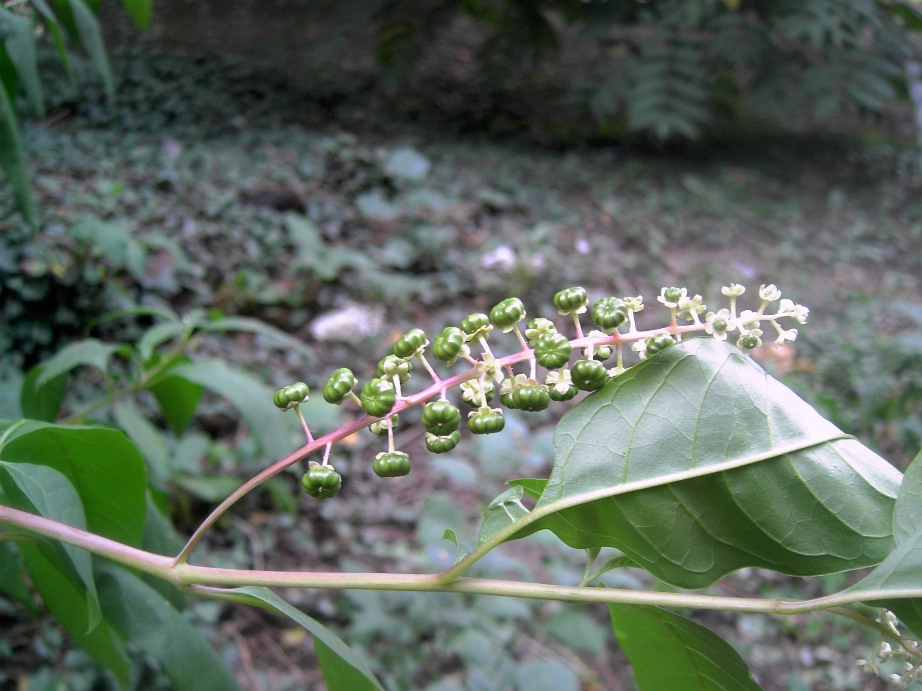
[(102, 464), (668, 651), (140, 11), (343, 669), (66, 600), (91, 352), (150, 622), (19, 41), (262, 329), (13, 158), (42, 402), (251, 398), (156, 336), (57, 34), (48, 493), (91, 39)]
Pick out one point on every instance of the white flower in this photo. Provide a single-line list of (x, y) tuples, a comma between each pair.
[(769, 292), (538, 326), (672, 296), (789, 308), (690, 308), (786, 336), (634, 304), (719, 323), (491, 368), (748, 319), (734, 290), (470, 392), (559, 380), (640, 347), (509, 385)]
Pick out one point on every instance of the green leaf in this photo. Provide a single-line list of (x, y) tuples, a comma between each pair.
[(576, 628), (209, 488), (668, 651), (54, 27), (66, 599), (13, 158), (251, 398), (91, 39), (102, 464), (42, 402), (262, 329), (156, 336), (501, 513), (178, 398), (140, 11), (48, 493), (12, 583), (907, 513), (684, 462), (91, 352), (343, 669), (150, 622), (19, 42), (148, 439)]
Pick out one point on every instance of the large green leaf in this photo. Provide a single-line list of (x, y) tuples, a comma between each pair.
[(342, 669), (102, 464), (251, 398), (149, 621), (66, 599), (668, 651), (45, 491), (13, 158), (19, 41), (695, 463)]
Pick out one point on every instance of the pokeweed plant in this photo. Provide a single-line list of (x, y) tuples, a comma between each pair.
[(693, 462)]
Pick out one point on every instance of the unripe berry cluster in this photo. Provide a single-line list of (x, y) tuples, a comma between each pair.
[(542, 344)]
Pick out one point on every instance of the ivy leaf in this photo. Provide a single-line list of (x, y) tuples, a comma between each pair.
[(685, 461), (150, 622), (343, 669), (668, 651), (102, 464)]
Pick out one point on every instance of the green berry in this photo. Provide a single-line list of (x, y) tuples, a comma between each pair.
[(441, 418), (486, 421), (378, 397), (658, 342), (608, 313), (565, 396), (474, 325), (672, 294), (531, 397), (391, 366), (589, 375), (571, 300), (291, 395), (411, 342), (449, 344), (552, 350), (396, 464), (508, 312), (442, 444), (340, 383), (320, 481), (749, 342), (380, 427)]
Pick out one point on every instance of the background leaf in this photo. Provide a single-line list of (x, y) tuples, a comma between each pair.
[(104, 467), (907, 512), (140, 11), (668, 651), (149, 621), (259, 328), (178, 398), (90, 35), (13, 158), (42, 402), (343, 670), (19, 43), (90, 352)]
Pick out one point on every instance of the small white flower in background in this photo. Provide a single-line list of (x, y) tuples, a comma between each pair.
[(769, 292), (670, 297), (583, 246), (719, 323), (734, 290), (634, 304), (559, 380), (785, 336), (690, 308), (748, 319), (791, 309), (503, 257)]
